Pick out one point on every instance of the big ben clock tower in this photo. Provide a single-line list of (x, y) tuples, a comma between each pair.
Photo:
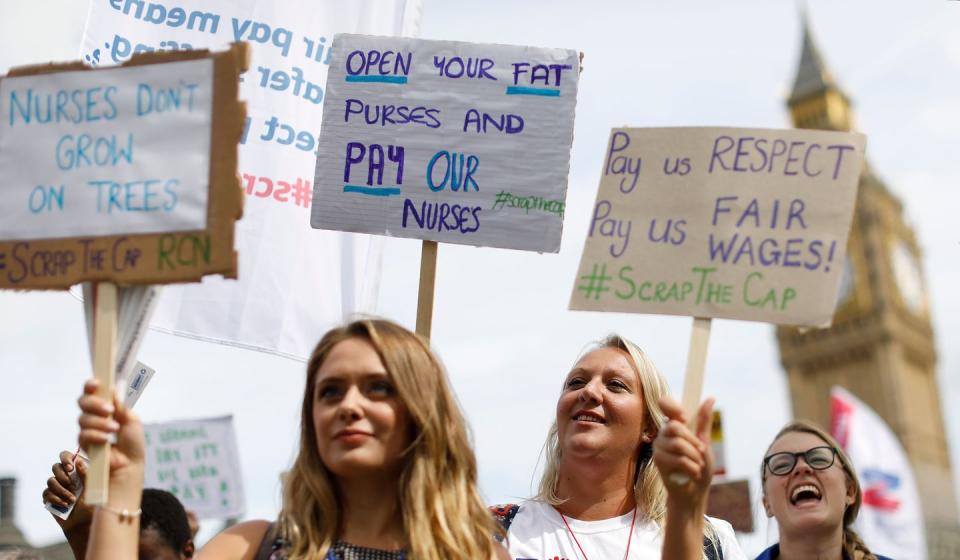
[(880, 346)]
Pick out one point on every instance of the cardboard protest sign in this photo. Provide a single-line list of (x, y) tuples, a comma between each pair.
[(721, 222), (197, 461), (124, 174), (730, 500), (446, 141)]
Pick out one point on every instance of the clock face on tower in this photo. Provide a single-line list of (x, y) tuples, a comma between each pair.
[(908, 277)]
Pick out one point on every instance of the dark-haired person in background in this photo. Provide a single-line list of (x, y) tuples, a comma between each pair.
[(165, 532)]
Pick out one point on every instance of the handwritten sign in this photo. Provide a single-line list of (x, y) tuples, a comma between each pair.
[(197, 461), (455, 142), (721, 222), (124, 174), (106, 137)]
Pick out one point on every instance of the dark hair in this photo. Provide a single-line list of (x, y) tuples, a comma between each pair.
[(163, 512)]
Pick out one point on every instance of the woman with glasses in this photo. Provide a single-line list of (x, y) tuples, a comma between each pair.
[(810, 487)]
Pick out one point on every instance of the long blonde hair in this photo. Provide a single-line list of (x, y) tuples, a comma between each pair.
[(443, 515), (648, 490), (853, 546)]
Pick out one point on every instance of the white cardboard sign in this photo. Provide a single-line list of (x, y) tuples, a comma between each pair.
[(447, 141), (197, 461), (721, 222), (88, 153)]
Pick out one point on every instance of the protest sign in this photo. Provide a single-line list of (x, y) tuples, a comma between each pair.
[(716, 445), (119, 175), (196, 461), (730, 500), (721, 222), (274, 305), (90, 190), (446, 141)]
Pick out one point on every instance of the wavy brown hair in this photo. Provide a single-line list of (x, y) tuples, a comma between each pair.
[(853, 546), (443, 515)]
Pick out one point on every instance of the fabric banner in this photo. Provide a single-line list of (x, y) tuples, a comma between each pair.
[(197, 461), (294, 282), (890, 520)]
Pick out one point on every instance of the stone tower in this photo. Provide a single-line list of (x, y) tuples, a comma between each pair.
[(880, 346)]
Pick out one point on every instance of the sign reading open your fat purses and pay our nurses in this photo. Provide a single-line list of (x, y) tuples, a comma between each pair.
[(446, 141)]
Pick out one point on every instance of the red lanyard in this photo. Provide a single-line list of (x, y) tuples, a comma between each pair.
[(584, 554)]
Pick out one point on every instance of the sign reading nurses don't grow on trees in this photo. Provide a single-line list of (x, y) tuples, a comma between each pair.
[(124, 174), (721, 222), (446, 141)]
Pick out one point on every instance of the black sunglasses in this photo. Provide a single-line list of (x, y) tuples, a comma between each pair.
[(782, 464)]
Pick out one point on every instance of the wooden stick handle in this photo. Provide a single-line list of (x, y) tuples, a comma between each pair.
[(693, 380), (696, 362), (104, 358), (428, 277)]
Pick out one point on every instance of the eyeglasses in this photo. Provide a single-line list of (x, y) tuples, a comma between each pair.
[(782, 464)]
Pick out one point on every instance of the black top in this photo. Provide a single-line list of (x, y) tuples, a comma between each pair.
[(274, 547)]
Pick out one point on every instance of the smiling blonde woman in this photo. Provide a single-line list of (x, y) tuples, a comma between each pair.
[(601, 496)]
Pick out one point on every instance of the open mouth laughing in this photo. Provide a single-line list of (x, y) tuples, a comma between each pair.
[(805, 494)]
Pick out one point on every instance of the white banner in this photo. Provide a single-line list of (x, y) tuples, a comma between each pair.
[(891, 519), (294, 282), (196, 461), (447, 141)]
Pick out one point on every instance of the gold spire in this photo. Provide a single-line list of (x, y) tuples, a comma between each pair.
[(815, 100)]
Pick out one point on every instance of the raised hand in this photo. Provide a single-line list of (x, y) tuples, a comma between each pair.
[(96, 425), (682, 454), (64, 489)]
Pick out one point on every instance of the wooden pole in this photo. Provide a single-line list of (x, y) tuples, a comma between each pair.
[(104, 363), (428, 277), (693, 379), (696, 363)]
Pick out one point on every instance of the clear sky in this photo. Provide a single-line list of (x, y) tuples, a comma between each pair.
[(501, 323)]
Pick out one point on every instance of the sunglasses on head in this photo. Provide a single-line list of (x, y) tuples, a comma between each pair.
[(818, 458)]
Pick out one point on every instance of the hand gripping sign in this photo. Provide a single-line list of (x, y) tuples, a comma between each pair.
[(123, 175)]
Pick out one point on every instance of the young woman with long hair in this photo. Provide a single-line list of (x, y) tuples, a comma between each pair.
[(810, 487), (601, 495), (385, 468)]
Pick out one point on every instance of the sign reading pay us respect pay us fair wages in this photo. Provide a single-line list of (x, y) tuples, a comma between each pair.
[(721, 222)]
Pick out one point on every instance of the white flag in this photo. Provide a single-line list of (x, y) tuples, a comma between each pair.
[(294, 282), (891, 519)]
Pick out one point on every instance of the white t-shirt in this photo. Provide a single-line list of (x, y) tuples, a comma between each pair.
[(538, 533)]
